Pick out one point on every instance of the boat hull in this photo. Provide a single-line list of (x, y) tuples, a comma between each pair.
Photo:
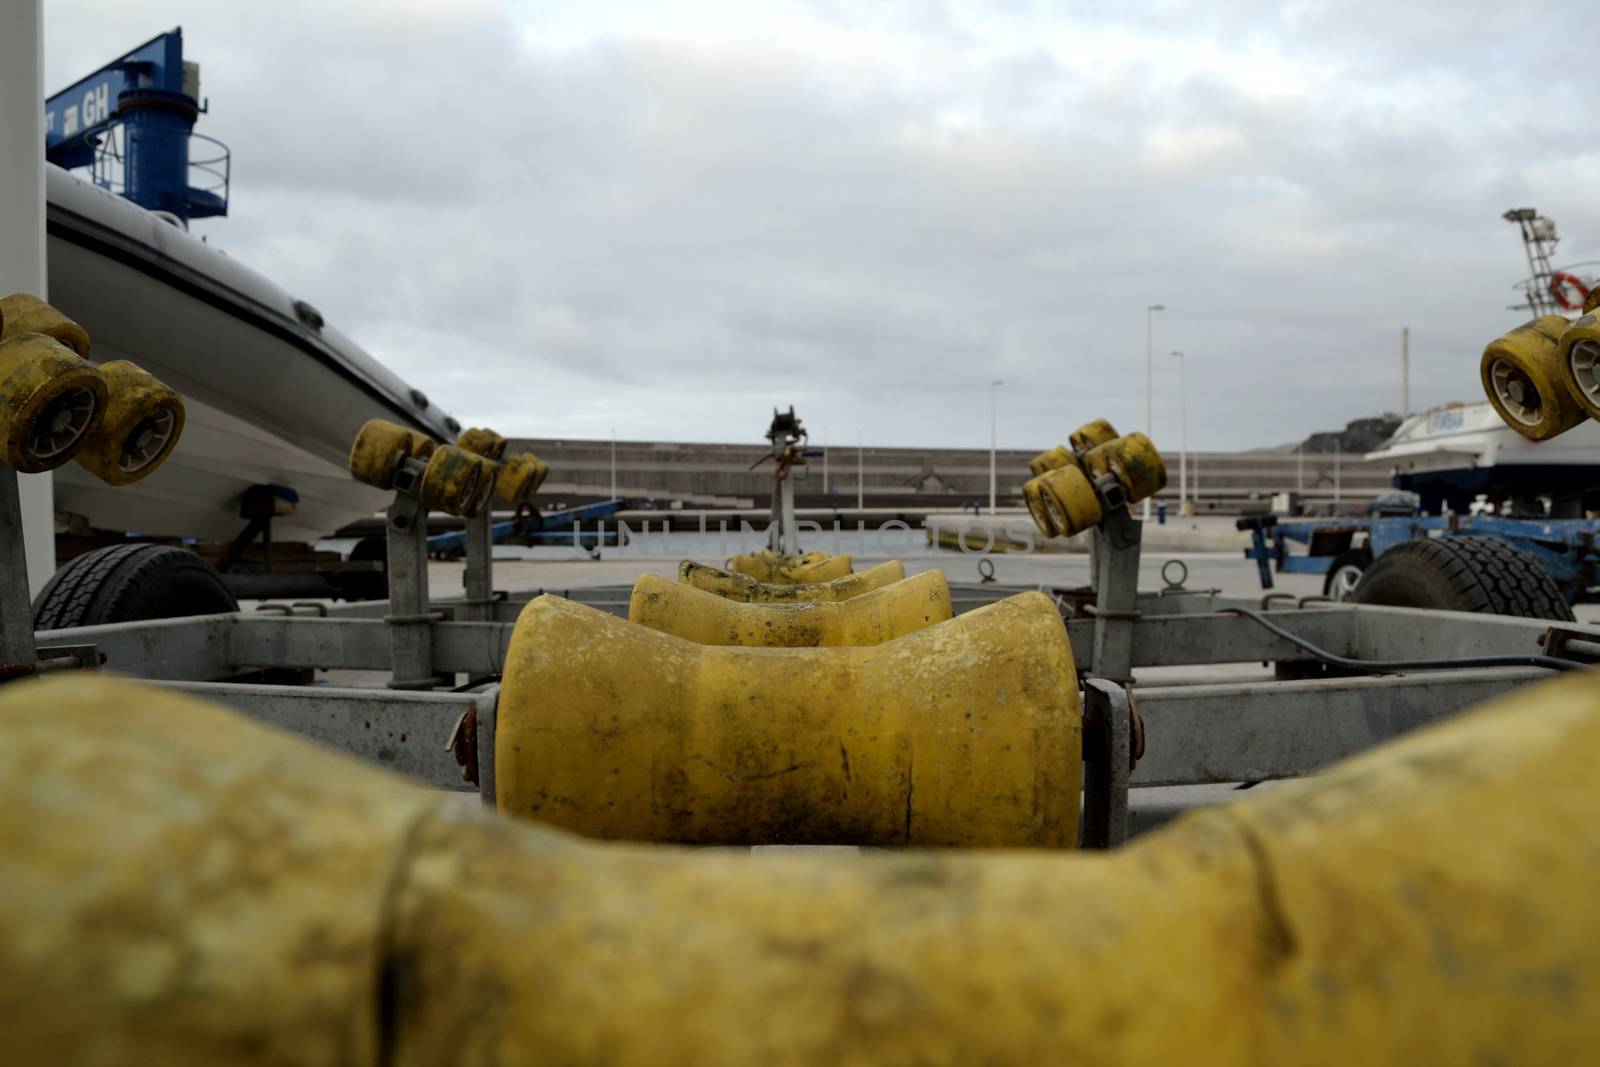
[(272, 396)]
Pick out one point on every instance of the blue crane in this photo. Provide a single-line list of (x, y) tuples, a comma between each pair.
[(132, 122)]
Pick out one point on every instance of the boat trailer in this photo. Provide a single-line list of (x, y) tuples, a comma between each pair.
[(1347, 676)]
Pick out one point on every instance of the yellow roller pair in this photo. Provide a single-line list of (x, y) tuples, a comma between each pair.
[(1061, 496), (459, 479), (680, 609), (518, 476), (1543, 377), (117, 420), (813, 566), (187, 887)]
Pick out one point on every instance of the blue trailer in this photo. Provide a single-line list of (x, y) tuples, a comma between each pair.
[(1342, 549)]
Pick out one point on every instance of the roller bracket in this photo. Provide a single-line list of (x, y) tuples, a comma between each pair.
[(1110, 752)]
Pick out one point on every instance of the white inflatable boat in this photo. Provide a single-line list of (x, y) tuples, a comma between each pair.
[(274, 395)]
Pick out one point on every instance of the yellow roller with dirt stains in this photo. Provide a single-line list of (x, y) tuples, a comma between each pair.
[(422, 445), (1133, 461), (870, 619), (745, 589), (1090, 434), (1578, 360), (50, 399), (813, 566), (21, 313), (140, 427), (963, 733), (1033, 497), (1059, 456), (1524, 378), (763, 564), (482, 442), (380, 447), (1067, 499), (519, 477), (189, 888)]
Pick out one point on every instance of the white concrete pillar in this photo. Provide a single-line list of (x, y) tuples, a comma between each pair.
[(22, 262)]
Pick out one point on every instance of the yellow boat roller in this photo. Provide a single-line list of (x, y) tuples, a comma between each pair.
[(186, 887), (966, 733), (813, 566), (742, 587), (870, 619)]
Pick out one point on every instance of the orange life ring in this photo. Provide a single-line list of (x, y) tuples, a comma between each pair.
[(1563, 285)]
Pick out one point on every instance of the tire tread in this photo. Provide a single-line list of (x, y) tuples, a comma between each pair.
[(1478, 573)]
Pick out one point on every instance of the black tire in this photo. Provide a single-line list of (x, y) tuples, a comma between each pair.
[(121, 583), (367, 585), (1336, 583), (1467, 573)]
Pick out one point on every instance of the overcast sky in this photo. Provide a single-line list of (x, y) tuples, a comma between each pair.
[(557, 219)]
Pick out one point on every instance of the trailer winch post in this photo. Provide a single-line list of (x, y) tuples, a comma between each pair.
[(1115, 611), (410, 617), (477, 580)]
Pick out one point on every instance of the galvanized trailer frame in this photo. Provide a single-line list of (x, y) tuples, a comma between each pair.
[(435, 720)]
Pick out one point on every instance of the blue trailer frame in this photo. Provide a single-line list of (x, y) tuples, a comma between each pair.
[(1563, 548)]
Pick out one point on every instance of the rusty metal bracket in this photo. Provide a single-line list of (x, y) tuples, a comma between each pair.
[(54, 658), (463, 744), (1570, 644)]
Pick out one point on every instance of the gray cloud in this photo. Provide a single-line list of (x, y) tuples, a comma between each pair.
[(561, 220)]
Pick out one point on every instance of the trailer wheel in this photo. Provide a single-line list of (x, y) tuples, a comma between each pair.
[(120, 583), (1468, 573), (1346, 573)]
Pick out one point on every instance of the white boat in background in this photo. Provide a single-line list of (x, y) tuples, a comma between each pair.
[(274, 395), (1453, 454)]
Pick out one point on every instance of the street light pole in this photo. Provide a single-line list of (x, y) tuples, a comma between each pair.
[(1183, 437), (613, 463), (1149, 383), (861, 490), (993, 385), (824, 461)]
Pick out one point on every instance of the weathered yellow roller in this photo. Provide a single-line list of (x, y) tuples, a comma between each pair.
[(140, 427), (743, 588), (21, 313), (1578, 359), (764, 564), (1068, 500), (482, 442), (422, 445), (1524, 378), (1034, 498), (379, 449), (964, 733), (813, 566), (50, 399), (457, 482), (186, 887), (1059, 456), (519, 477), (870, 619), (1090, 434), (1133, 461)]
